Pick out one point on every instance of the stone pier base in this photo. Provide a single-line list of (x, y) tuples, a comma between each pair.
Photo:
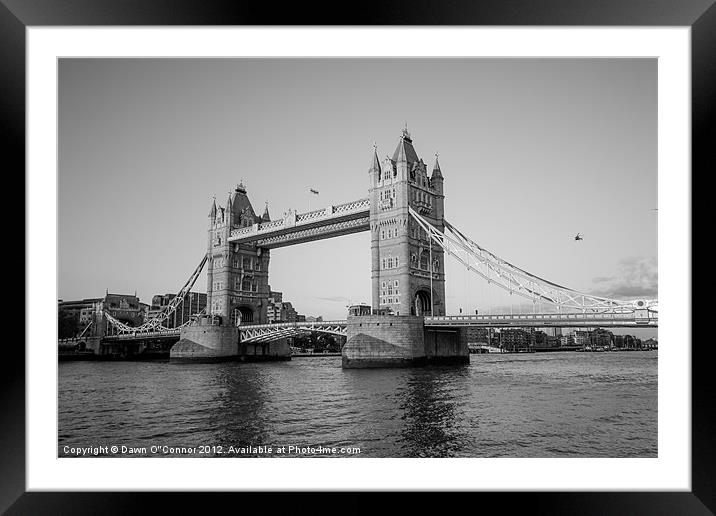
[(400, 341), (265, 351), (204, 341)]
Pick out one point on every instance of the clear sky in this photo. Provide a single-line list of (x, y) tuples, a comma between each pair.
[(532, 151)]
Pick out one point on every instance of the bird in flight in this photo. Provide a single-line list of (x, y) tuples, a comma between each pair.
[(579, 237)]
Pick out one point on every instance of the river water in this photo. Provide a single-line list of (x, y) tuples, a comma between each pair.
[(513, 405)]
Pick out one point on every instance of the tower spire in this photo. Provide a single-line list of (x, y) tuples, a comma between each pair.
[(375, 163), (437, 173), (212, 212), (404, 152)]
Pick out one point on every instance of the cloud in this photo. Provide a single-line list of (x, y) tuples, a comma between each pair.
[(603, 279), (335, 299), (635, 277)]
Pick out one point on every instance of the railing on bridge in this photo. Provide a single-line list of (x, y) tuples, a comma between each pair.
[(164, 333), (565, 320)]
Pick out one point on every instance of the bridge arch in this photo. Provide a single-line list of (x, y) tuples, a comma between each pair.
[(242, 314), (421, 303), (277, 331)]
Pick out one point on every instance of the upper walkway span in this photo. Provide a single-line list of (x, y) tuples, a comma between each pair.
[(296, 228)]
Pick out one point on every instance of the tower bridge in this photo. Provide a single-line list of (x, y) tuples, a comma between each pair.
[(410, 240)]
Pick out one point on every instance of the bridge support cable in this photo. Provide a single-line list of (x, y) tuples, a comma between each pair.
[(515, 280), (85, 329), (156, 324)]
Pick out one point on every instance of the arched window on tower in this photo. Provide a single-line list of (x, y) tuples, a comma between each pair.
[(424, 259)]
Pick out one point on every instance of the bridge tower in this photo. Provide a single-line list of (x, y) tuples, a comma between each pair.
[(407, 270), (237, 289), (403, 256), (237, 274)]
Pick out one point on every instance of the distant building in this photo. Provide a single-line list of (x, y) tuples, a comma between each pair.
[(194, 302), (124, 307), (77, 315), (598, 338), (543, 340), (361, 309), (481, 335), (279, 310), (566, 341), (651, 344), (81, 308), (581, 338), (514, 339), (554, 332), (601, 338)]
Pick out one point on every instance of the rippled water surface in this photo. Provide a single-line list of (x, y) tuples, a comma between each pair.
[(512, 405)]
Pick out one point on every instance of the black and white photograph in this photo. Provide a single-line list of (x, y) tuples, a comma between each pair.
[(286, 257), (416, 249)]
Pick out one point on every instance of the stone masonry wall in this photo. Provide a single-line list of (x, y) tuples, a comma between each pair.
[(383, 341)]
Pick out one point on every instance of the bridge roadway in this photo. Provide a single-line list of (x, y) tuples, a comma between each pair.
[(268, 332), (568, 320)]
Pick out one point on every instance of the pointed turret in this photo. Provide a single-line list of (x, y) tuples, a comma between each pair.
[(404, 158), (229, 212), (375, 171), (375, 163), (436, 179), (437, 173), (241, 209), (265, 217), (212, 212), (404, 152)]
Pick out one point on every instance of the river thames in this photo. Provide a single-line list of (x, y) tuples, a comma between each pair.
[(565, 404)]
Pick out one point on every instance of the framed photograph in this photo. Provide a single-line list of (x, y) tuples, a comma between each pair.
[(416, 252)]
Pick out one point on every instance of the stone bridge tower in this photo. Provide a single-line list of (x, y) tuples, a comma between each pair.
[(407, 270), (403, 257), (237, 274)]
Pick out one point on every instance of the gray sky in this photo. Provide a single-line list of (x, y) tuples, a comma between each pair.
[(532, 150)]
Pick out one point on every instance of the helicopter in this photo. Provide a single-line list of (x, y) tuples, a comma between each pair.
[(579, 237)]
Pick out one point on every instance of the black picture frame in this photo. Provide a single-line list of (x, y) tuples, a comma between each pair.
[(17, 15)]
